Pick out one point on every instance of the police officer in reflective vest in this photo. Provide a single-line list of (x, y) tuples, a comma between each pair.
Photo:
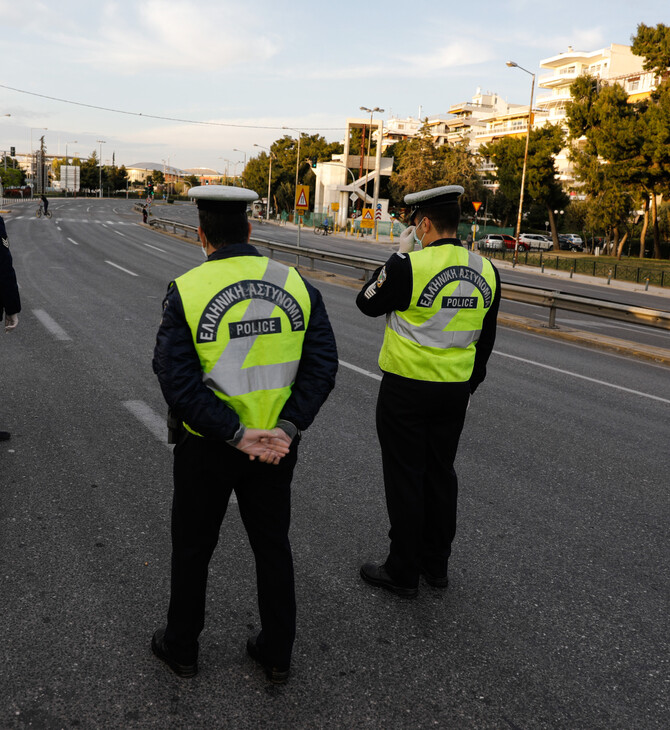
[(245, 356), (441, 303)]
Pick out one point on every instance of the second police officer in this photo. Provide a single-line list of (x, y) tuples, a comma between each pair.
[(441, 304)]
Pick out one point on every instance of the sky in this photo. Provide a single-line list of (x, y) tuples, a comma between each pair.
[(232, 74)]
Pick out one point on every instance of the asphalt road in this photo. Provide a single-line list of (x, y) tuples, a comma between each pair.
[(556, 613)]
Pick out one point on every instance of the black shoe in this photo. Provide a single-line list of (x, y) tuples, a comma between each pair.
[(277, 675), (5, 435), (437, 581), (160, 649), (376, 575)]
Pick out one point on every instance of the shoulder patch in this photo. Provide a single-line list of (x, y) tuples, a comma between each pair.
[(5, 242), (382, 277)]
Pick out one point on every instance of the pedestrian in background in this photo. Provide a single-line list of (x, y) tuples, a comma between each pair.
[(441, 304), (245, 356), (10, 302)]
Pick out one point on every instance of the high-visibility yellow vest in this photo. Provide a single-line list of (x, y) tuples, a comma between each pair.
[(248, 316), (434, 338)]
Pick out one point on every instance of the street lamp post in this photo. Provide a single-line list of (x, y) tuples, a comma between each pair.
[(513, 64), (297, 167), (367, 164), (245, 163), (296, 217), (33, 165), (100, 143), (267, 207)]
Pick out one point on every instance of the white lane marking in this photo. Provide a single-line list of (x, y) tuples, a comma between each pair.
[(56, 330), (111, 263), (58, 228), (146, 415), (360, 370), (582, 377), (156, 424), (111, 223), (71, 240), (118, 233), (148, 245)]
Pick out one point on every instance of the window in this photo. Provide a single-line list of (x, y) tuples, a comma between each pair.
[(634, 84)]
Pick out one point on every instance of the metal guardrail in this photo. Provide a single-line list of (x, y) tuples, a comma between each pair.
[(583, 305), (554, 300)]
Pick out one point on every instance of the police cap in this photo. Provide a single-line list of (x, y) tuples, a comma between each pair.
[(445, 195), (224, 197)]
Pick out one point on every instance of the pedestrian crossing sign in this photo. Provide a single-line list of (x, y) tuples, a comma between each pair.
[(302, 197), (368, 218)]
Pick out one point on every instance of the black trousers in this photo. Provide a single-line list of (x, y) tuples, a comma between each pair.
[(205, 474), (419, 424)]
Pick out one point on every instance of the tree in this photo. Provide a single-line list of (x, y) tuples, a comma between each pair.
[(542, 185), (284, 151), (653, 44), (117, 177), (11, 175), (622, 148), (416, 165), (89, 173)]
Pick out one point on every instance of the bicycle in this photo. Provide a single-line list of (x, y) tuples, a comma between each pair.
[(40, 212), (321, 231)]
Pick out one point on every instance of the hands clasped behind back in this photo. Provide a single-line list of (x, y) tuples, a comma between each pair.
[(267, 445)]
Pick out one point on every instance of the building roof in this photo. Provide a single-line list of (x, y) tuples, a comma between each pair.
[(156, 166), (202, 171)]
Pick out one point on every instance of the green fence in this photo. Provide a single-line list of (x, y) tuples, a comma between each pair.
[(589, 266)]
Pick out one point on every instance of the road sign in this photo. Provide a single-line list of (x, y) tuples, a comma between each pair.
[(335, 207), (367, 221), (476, 206), (302, 197)]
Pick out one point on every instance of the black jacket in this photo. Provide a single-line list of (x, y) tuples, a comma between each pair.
[(177, 366), (10, 301), (390, 288)]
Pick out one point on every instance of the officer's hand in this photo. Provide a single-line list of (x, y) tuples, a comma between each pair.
[(406, 240), (11, 320), (275, 439), (263, 445)]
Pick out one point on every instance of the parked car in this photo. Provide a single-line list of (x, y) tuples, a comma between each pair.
[(535, 241), (491, 242), (570, 242), (499, 242)]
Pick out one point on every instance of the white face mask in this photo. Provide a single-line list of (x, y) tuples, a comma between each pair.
[(419, 241), (204, 251)]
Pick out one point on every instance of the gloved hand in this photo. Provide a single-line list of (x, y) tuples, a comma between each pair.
[(406, 240), (11, 320)]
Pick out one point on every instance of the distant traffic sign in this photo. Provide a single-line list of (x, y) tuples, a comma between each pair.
[(476, 206), (302, 197), (367, 221)]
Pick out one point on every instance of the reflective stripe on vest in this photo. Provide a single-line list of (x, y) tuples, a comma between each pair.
[(434, 339), (248, 316)]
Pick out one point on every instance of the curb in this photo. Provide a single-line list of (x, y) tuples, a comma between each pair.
[(649, 353)]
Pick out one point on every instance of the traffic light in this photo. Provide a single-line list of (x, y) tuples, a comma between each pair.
[(12, 151), (313, 160)]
